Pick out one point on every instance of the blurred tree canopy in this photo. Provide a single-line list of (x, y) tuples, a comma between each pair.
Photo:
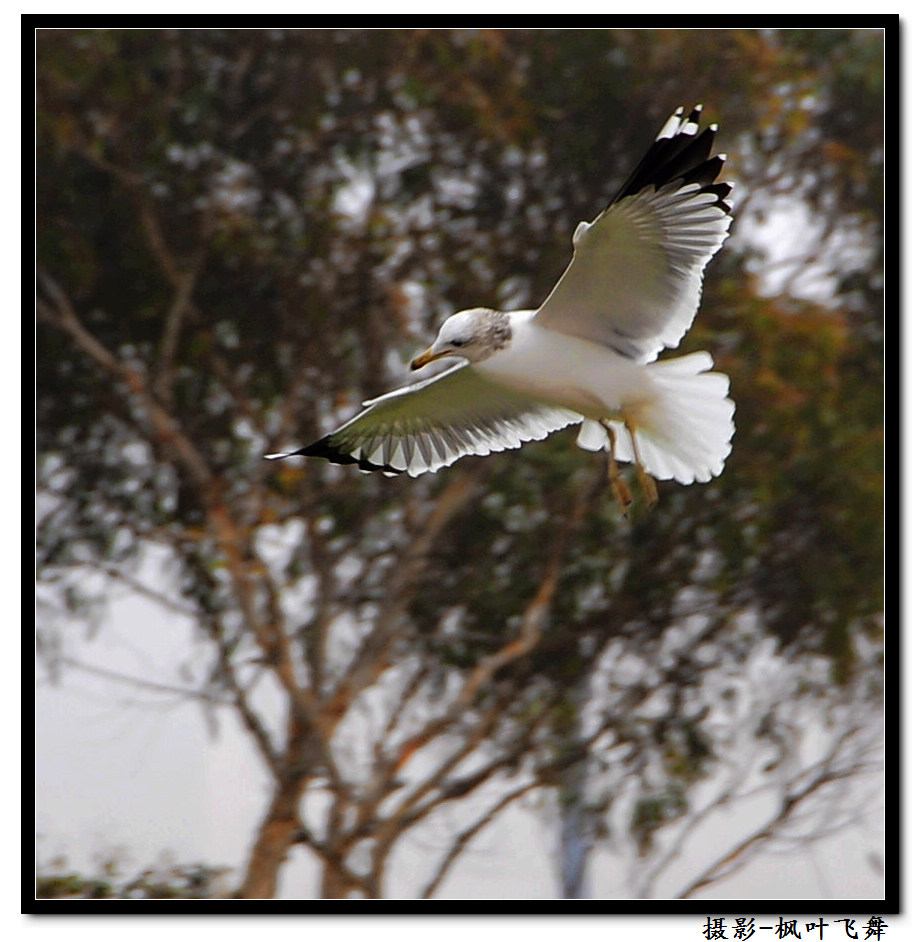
[(242, 234), (58, 881)]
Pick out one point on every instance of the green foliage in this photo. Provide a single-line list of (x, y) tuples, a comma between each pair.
[(653, 813), (196, 881)]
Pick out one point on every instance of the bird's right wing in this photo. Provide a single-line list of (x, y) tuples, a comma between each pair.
[(429, 425)]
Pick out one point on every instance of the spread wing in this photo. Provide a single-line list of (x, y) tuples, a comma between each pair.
[(635, 280), (429, 425)]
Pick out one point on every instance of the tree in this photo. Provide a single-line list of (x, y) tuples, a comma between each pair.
[(57, 881), (243, 234)]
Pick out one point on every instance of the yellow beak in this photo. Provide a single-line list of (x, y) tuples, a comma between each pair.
[(427, 357)]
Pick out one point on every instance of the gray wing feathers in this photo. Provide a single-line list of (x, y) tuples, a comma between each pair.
[(431, 424), (635, 280)]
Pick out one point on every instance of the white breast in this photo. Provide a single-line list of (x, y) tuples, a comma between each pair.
[(566, 371)]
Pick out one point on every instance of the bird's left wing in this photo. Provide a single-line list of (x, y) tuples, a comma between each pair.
[(635, 279), (431, 424)]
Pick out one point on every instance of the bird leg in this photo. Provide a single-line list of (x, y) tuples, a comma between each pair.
[(619, 487), (649, 488)]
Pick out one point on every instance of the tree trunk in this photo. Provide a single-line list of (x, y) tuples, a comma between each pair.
[(575, 834), (276, 834), (575, 846), (333, 885)]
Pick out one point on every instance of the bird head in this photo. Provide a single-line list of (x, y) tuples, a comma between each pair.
[(474, 334)]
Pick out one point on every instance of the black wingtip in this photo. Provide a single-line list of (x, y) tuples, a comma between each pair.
[(325, 448), (683, 154)]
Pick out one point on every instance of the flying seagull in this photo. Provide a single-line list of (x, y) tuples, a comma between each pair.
[(586, 355)]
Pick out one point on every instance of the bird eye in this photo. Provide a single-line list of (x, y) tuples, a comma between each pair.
[(457, 343)]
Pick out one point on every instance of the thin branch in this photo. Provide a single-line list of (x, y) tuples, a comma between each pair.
[(135, 585), (409, 811), (188, 693), (465, 836), (322, 566), (242, 401), (410, 689), (508, 758), (249, 717), (157, 241), (63, 316), (734, 859), (172, 329)]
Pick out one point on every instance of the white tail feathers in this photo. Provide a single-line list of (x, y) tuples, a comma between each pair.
[(685, 431)]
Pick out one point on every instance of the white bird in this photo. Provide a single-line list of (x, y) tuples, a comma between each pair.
[(586, 354)]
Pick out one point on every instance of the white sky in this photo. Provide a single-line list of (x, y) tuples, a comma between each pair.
[(142, 747)]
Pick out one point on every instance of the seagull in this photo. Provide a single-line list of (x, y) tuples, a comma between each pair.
[(588, 354)]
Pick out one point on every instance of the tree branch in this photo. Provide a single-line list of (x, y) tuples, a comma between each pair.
[(169, 342), (135, 585), (63, 316), (143, 684), (734, 859), (532, 622), (465, 836), (372, 659)]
